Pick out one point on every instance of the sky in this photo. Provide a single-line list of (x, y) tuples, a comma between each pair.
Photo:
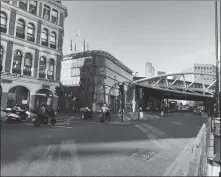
[(172, 35)]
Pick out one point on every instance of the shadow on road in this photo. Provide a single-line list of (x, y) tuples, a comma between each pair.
[(16, 145)]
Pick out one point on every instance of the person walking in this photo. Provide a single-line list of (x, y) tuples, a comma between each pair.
[(162, 107)]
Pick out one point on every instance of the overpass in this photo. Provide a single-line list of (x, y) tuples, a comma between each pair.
[(179, 88)]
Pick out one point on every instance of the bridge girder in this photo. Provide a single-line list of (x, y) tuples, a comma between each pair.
[(180, 85)]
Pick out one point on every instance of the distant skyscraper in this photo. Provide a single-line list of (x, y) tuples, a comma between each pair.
[(149, 69), (161, 72), (207, 69)]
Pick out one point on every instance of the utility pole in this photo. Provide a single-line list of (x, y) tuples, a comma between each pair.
[(217, 60)]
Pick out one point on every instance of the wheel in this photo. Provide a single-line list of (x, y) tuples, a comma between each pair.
[(53, 122), (36, 123), (9, 120), (102, 119)]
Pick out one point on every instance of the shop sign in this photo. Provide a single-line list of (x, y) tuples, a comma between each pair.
[(6, 81), (46, 86), (24, 101)]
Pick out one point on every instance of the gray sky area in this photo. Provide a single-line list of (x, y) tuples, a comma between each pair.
[(173, 35)]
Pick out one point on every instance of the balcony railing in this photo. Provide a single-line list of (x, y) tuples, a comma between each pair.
[(30, 38), (52, 45), (50, 77), (20, 35), (3, 29), (16, 70), (45, 43), (27, 72), (42, 74)]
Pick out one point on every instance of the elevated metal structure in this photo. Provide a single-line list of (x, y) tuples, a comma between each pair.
[(180, 85)]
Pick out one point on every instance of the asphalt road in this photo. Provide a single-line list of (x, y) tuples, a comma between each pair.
[(85, 148)]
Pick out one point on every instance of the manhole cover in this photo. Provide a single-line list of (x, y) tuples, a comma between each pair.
[(143, 154)]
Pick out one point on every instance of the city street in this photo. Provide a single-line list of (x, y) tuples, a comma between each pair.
[(79, 148)]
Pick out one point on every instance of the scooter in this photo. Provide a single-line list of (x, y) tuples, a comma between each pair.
[(105, 117), (16, 116), (38, 120)]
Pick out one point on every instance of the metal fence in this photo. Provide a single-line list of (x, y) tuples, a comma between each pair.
[(205, 141)]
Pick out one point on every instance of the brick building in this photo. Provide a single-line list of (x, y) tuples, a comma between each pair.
[(31, 51)]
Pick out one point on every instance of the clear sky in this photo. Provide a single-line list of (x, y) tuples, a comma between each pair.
[(173, 35)]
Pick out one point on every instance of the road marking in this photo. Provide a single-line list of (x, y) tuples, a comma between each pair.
[(62, 127), (73, 163)]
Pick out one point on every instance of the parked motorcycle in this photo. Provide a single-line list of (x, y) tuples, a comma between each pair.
[(39, 119), (16, 115), (105, 117)]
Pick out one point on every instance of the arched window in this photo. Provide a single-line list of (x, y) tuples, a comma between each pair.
[(20, 30), (53, 40), (17, 62), (44, 37), (46, 12), (31, 32), (42, 67), (51, 69), (3, 27), (54, 16), (1, 57), (27, 64), (23, 5), (33, 7)]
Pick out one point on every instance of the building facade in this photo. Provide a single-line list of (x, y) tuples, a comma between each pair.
[(92, 79), (149, 69), (205, 69), (161, 72), (31, 51)]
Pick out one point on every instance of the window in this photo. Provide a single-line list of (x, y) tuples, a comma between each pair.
[(51, 69), (44, 37), (1, 57), (27, 65), (53, 40), (3, 22), (46, 12), (20, 30), (33, 7), (17, 62), (54, 16), (31, 32), (23, 5), (42, 67)]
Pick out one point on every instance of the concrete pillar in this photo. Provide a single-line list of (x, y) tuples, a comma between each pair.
[(12, 20), (55, 102), (133, 101), (32, 101), (35, 65), (8, 59), (4, 100)]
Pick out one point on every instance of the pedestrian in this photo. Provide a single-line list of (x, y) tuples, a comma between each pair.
[(162, 107), (165, 107), (73, 110)]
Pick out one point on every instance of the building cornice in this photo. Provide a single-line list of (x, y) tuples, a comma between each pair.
[(27, 79), (59, 5), (30, 16), (99, 53), (31, 45)]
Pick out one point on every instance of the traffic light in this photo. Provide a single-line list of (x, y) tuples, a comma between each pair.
[(121, 89)]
